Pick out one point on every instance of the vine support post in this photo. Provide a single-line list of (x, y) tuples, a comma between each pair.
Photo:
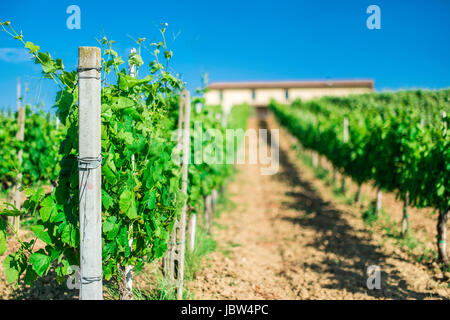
[(184, 185), (442, 235), (405, 219), (191, 231), (126, 285), (333, 175), (443, 217), (170, 267), (358, 194), (208, 213), (20, 136), (343, 187), (378, 202), (214, 196), (444, 116), (89, 163), (314, 159)]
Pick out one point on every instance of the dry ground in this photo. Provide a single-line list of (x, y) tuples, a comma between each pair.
[(289, 237)]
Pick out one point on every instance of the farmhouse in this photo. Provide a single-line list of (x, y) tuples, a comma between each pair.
[(259, 94)]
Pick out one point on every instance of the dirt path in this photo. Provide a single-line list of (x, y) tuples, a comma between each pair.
[(288, 239)]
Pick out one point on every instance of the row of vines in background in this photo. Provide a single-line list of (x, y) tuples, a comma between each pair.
[(398, 141), (40, 149)]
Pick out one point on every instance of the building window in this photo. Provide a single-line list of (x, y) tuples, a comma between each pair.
[(221, 95), (253, 95), (286, 93)]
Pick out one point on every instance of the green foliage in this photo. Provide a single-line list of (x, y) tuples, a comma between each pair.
[(141, 195), (209, 169), (40, 160), (141, 199), (398, 140)]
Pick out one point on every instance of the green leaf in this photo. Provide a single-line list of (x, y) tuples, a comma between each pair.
[(48, 209), (30, 275), (121, 103), (32, 47), (69, 235), (11, 269), (41, 233), (40, 262), (127, 204), (440, 191), (107, 200), (11, 212), (152, 200), (109, 224), (2, 237)]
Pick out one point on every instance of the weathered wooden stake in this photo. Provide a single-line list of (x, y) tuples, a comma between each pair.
[(172, 253), (343, 187), (378, 202), (186, 157), (444, 215), (208, 213), (358, 194), (89, 162), (126, 285), (214, 197), (405, 219), (191, 231), (345, 130), (314, 159), (20, 136), (442, 235)]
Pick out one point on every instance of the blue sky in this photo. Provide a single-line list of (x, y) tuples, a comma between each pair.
[(242, 40)]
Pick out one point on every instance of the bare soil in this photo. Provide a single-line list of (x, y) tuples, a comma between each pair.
[(291, 237)]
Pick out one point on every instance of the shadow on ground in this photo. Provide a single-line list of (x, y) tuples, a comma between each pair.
[(46, 288), (335, 237)]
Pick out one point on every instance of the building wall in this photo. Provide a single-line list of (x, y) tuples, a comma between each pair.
[(262, 97), (311, 93)]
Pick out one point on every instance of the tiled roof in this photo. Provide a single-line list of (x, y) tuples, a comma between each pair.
[(294, 84)]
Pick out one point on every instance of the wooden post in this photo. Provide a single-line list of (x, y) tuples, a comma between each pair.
[(172, 253), (208, 213), (186, 157), (214, 196), (20, 136), (343, 188), (443, 219), (444, 116), (405, 219), (314, 159), (89, 162), (345, 130), (126, 285), (378, 203), (333, 175), (442, 235), (358, 194), (191, 231)]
